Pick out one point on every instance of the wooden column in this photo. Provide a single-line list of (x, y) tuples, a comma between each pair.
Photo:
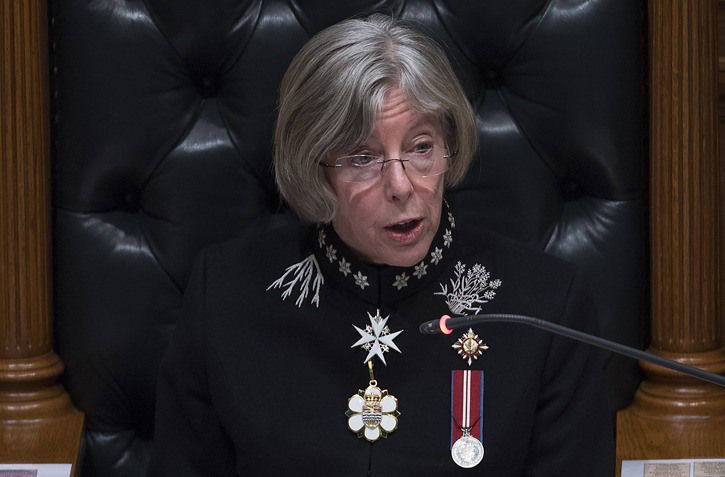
[(37, 421), (721, 154), (674, 416)]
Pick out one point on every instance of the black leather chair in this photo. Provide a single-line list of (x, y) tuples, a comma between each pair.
[(163, 112)]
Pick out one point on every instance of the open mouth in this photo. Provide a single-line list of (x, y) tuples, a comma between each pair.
[(403, 227)]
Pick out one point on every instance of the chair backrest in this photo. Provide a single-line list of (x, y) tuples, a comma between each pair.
[(163, 116)]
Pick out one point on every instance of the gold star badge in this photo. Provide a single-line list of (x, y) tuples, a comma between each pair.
[(470, 346)]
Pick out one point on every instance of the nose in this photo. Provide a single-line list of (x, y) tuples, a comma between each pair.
[(397, 183)]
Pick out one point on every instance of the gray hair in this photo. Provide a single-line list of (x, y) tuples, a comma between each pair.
[(333, 90)]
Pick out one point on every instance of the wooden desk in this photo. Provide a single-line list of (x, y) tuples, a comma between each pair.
[(55, 440)]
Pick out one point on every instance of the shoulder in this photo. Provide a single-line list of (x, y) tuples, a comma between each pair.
[(264, 244), (532, 282), (509, 253), (257, 255)]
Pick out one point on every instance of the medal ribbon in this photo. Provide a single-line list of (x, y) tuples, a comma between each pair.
[(466, 403)]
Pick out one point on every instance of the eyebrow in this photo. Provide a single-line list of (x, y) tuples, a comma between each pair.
[(426, 120)]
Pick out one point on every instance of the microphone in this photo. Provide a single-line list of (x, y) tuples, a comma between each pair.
[(446, 325)]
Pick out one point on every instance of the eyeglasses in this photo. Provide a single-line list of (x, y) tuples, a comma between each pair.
[(426, 160)]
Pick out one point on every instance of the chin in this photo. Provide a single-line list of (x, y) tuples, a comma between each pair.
[(406, 260)]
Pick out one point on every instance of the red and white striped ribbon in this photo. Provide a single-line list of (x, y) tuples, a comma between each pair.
[(466, 403)]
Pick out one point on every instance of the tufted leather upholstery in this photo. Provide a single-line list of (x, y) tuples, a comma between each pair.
[(163, 112)]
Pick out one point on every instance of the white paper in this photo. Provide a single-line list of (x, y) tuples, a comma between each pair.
[(35, 470), (674, 468)]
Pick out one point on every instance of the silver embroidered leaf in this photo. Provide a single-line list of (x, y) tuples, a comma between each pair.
[(306, 275), (469, 288)]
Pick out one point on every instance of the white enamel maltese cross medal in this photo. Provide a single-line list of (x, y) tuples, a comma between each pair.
[(376, 338)]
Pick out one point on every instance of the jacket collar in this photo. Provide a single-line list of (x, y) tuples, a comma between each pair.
[(379, 284)]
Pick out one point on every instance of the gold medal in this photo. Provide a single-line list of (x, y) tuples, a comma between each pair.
[(372, 413), (470, 346)]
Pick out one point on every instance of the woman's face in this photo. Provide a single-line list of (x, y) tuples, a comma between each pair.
[(392, 219)]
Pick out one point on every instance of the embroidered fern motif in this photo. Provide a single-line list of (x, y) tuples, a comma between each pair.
[(469, 288), (304, 274)]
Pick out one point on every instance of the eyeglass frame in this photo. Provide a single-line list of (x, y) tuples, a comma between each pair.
[(385, 161)]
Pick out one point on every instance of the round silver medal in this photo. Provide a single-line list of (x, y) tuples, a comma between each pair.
[(467, 451)]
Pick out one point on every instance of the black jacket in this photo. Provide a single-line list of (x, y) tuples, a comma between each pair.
[(257, 384)]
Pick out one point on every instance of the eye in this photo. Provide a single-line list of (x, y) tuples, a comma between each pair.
[(422, 148), (361, 160)]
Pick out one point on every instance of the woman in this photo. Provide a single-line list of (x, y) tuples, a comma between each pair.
[(299, 352)]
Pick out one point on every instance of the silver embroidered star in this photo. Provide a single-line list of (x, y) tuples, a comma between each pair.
[(376, 338), (344, 267), (401, 281), (447, 238), (331, 253), (361, 280), (420, 270), (452, 220), (436, 255)]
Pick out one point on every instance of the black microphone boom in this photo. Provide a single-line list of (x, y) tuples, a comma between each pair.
[(445, 324)]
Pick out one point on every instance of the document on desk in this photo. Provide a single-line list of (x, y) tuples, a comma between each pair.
[(35, 470), (674, 468)]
